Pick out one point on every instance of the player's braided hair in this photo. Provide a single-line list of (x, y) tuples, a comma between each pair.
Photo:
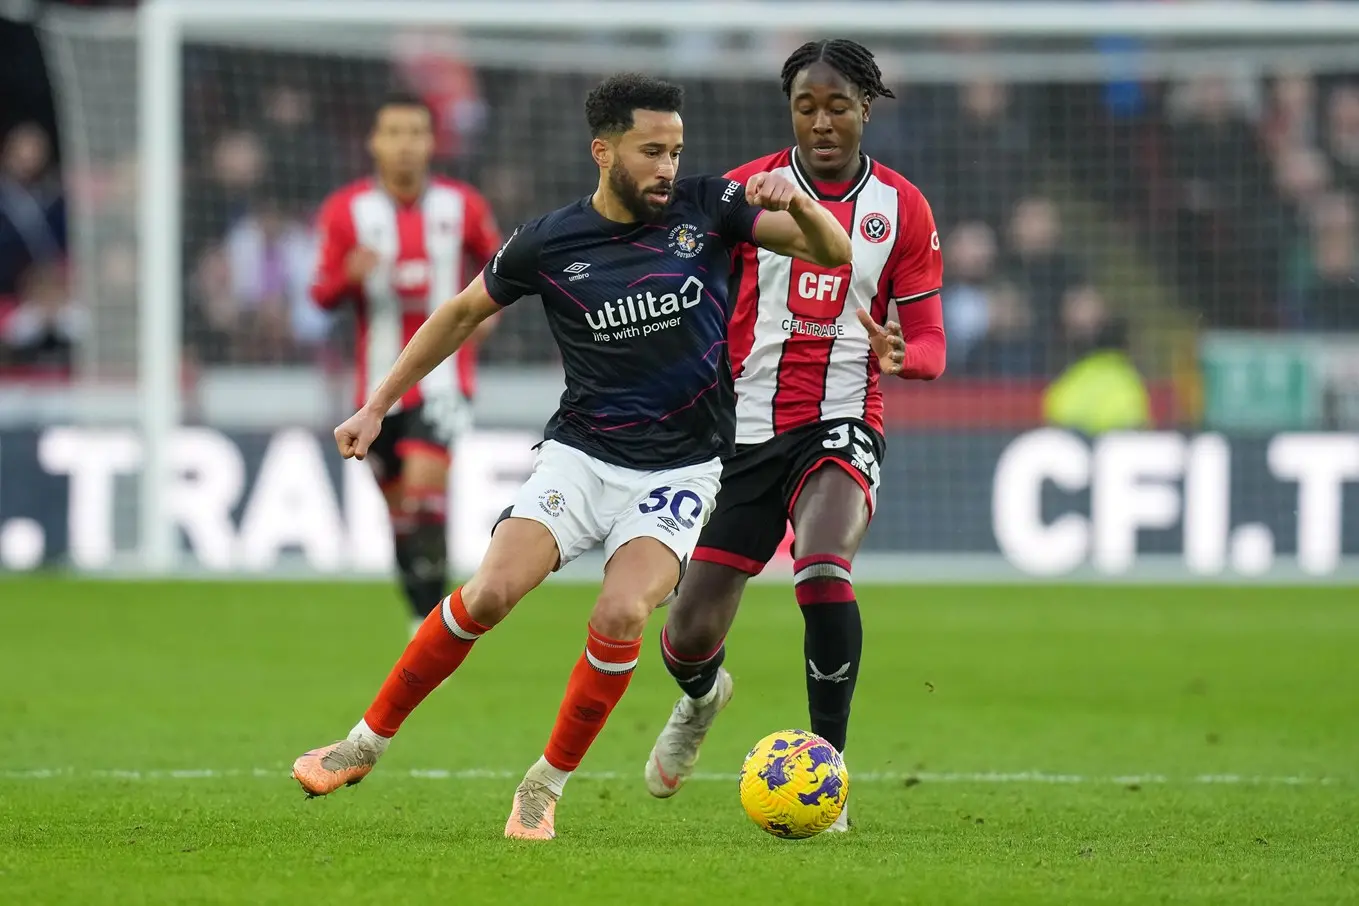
[(610, 104), (850, 58)]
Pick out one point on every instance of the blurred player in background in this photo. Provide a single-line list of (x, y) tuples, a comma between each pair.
[(634, 282), (807, 346), (396, 244)]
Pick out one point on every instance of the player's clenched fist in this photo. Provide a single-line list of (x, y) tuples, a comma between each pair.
[(771, 192), (357, 434)]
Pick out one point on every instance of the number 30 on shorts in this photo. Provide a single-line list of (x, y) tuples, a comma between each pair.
[(685, 506)]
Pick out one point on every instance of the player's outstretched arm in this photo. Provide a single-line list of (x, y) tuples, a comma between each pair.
[(795, 224), (438, 338)]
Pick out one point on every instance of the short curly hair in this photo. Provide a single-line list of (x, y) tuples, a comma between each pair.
[(610, 104)]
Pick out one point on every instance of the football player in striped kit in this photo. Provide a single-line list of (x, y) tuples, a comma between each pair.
[(395, 245), (808, 345)]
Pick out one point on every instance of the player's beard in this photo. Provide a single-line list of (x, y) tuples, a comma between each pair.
[(629, 193)]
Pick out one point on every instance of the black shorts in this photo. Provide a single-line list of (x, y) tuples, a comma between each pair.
[(761, 483), (402, 433)]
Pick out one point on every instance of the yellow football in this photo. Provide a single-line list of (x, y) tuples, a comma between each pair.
[(794, 784)]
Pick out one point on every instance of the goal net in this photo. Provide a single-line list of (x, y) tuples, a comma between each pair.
[(1181, 198)]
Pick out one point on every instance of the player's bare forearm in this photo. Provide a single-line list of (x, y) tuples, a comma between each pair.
[(806, 231), (825, 240), (483, 330), (438, 338)]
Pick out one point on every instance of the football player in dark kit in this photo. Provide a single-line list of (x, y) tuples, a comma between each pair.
[(633, 279)]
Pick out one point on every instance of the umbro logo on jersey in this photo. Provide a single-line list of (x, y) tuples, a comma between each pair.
[(669, 524), (577, 271)]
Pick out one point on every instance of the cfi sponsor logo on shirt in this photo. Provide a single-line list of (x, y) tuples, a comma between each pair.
[(821, 298), (643, 313)]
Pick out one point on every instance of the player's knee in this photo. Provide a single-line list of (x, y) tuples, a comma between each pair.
[(694, 629), (490, 596), (834, 535), (620, 615)]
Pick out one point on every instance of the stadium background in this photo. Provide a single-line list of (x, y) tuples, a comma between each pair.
[(1193, 204), (1018, 737)]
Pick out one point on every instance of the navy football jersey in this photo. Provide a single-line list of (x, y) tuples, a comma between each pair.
[(640, 313)]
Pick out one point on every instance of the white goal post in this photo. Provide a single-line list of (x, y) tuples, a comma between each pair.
[(543, 34)]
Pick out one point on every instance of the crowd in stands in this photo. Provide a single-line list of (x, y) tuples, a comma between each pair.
[(39, 322), (1234, 198)]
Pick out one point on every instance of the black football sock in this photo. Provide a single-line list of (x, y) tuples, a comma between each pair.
[(422, 553), (833, 641), (695, 674)]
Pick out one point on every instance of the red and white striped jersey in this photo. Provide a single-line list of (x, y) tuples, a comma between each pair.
[(427, 250), (798, 352)]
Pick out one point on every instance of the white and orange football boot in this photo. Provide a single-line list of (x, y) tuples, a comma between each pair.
[(676, 750), (343, 763), (533, 816)]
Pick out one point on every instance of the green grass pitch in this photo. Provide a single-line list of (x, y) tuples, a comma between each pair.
[(1010, 745)]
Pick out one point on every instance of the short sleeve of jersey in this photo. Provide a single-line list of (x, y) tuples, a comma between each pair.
[(513, 272), (918, 265), (725, 201)]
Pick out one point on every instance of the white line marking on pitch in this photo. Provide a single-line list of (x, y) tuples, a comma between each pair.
[(980, 777)]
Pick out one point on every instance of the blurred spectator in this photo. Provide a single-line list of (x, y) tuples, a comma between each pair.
[(45, 328), (1290, 120), (1102, 391), (1007, 349), (979, 159), (32, 211), (1084, 318), (222, 192), (1225, 249), (433, 66), (302, 162), (270, 258), (1333, 302), (1342, 135), (213, 314), (1303, 176), (1038, 263), (969, 282)]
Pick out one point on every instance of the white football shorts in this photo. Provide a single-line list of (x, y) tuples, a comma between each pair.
[(584, 502)]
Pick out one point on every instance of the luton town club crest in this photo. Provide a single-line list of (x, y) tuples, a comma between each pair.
[(552, 502), (685, 240)]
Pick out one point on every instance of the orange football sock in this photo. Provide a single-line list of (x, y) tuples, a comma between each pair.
[(597, 683), (439, 647)]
